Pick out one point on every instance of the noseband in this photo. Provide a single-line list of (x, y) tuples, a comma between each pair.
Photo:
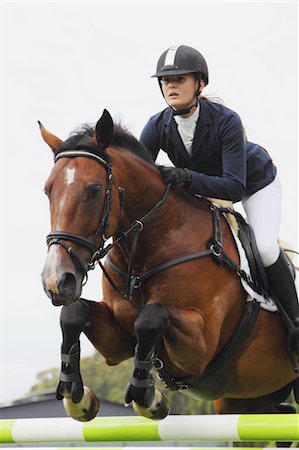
[(58, 237)]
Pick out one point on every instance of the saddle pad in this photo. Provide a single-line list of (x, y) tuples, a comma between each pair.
[(265, 303)]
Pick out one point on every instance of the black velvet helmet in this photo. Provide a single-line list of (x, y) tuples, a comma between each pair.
[(182, 59)]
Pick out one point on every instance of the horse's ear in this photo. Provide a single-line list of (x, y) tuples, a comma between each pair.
[(104, 131), (53, 141)]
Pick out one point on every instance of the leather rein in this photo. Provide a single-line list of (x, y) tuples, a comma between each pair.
[(134, 280)]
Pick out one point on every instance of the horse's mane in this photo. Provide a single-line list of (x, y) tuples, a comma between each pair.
[(121, 138)]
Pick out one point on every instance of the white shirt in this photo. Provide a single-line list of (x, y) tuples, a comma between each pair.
[(186, 128)]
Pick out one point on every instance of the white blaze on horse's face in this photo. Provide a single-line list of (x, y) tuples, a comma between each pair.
[(53, 257), (70, 175), (69, 179)]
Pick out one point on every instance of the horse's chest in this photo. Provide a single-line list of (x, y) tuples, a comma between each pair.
[(125, 315)]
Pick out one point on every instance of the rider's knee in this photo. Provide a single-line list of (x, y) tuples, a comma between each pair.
[(268, 251)]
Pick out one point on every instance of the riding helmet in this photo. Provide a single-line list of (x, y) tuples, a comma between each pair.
[(182, 59)]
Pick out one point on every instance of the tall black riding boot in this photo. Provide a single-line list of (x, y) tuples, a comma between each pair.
[(283, 287)]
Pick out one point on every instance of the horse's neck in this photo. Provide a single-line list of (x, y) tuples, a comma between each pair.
[(168, 232), (142, 184), (173, 230), (150, 241), (155, 219), (144, 188)]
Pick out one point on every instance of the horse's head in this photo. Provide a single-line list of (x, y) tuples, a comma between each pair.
[(84, 206)]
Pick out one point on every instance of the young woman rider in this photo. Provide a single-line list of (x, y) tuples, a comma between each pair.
[(205, 142)]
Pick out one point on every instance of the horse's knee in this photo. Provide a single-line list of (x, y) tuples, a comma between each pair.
[(74, 315), (151, 322)]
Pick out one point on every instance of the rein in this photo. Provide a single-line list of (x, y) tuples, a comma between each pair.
[(136, 228)]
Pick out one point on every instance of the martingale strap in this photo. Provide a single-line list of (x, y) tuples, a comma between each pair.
[(173, 262), (214, 249)]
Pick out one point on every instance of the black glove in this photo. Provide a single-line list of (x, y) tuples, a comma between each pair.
[(175, 175)]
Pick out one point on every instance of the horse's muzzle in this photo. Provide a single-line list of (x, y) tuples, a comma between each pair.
[(65, 292), (63, 288), (62, 281)]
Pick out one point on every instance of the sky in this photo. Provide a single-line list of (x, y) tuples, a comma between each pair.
[(62, 64)]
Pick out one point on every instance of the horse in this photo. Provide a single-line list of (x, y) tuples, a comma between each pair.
[(167, 301)]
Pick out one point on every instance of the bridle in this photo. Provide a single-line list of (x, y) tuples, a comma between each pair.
[(98, 252), (58, 237)]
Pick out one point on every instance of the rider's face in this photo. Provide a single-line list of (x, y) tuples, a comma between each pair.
[(179, 91)]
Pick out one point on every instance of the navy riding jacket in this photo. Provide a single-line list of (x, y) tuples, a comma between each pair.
[(223, 163)]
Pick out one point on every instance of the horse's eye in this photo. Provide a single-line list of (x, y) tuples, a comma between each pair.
[(94, 191)]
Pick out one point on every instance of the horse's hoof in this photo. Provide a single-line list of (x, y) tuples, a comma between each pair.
[(158, 410), (86, 409), (144, 396)]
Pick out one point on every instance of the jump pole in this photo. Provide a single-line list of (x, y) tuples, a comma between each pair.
[(231, 428), (140, 448)]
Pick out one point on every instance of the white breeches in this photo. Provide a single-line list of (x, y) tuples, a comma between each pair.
[(263, 211)]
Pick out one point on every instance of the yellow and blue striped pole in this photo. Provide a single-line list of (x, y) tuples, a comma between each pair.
[(232, 427)]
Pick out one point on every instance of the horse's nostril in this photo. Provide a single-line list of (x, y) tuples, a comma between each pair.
[(67, 284)]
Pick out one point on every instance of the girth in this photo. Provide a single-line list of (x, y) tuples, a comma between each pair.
[(213, 382)]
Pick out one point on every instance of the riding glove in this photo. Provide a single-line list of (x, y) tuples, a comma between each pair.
[(175, 175)]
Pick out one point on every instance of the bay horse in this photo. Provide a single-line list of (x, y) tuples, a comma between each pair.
[(172, 312)]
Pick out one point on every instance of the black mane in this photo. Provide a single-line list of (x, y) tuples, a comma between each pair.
[(121, 138)]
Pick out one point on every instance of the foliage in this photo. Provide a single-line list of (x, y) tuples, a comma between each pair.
[(46, 381)]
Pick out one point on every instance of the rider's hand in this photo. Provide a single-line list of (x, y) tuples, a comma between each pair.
[(175, 175)]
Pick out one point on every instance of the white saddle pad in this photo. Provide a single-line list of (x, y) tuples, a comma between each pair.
[(266, 303)]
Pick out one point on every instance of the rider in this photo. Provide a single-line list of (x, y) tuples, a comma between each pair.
[(212, 157)]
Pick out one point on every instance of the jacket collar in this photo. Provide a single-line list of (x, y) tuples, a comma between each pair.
[(202, 127), (176, 149)]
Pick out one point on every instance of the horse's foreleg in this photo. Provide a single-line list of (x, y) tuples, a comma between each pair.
[(79, 402), (149, 327)]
